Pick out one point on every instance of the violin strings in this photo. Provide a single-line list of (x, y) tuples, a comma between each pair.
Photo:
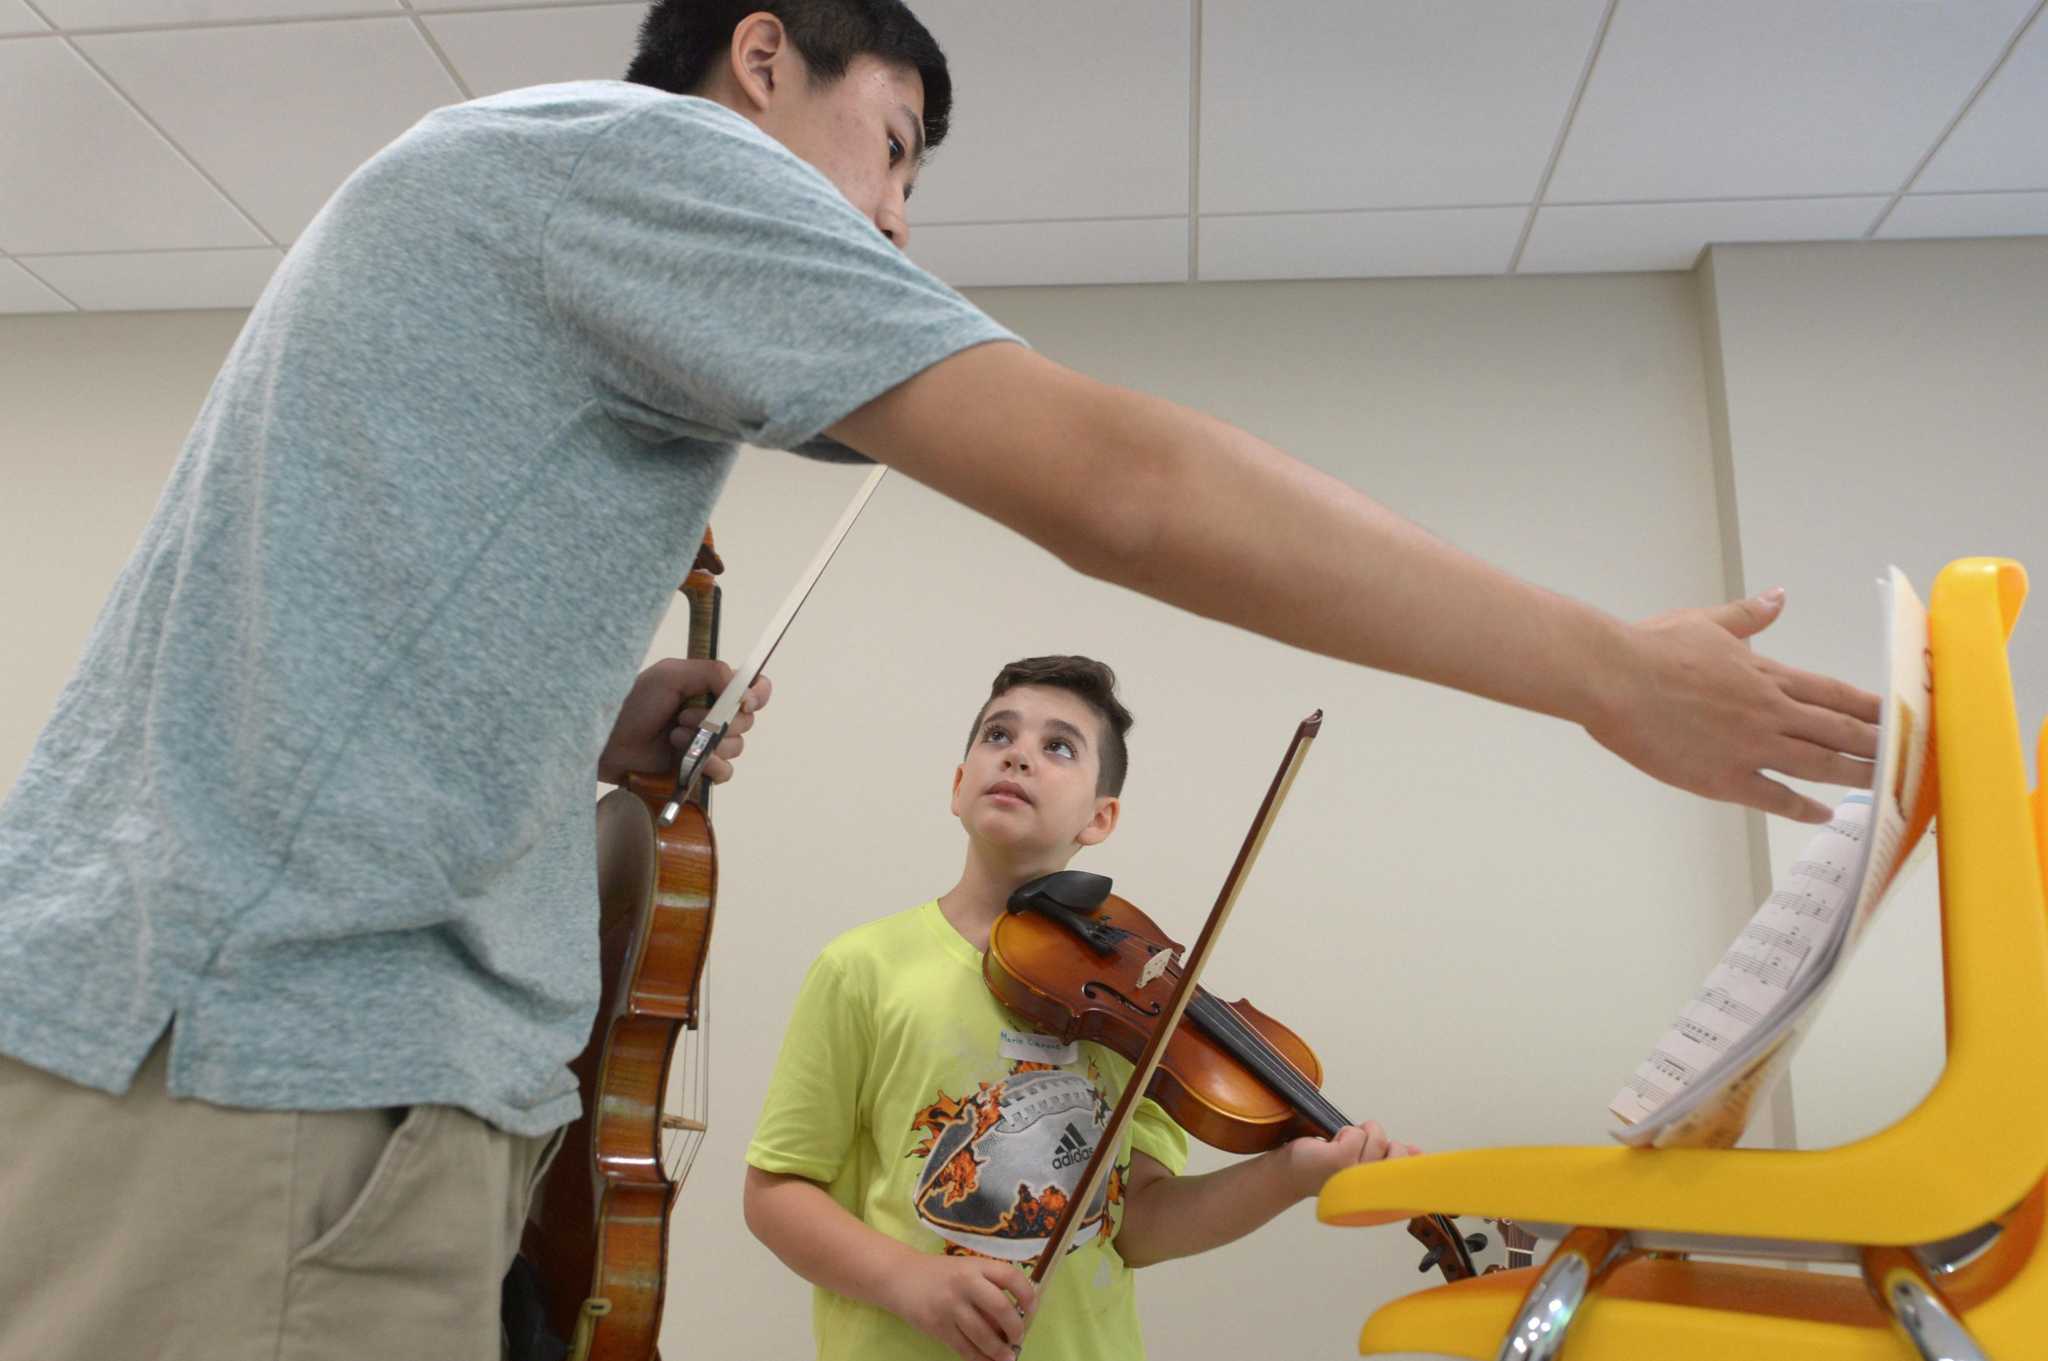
[(1256, 1051)]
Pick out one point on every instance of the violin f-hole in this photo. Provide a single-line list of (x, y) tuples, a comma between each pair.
[(1095, 988)]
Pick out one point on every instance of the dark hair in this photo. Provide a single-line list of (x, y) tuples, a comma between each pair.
[(1095, 683), (681, 42)]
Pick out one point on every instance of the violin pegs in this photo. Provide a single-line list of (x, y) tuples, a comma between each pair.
[(1429, 1260), (1475, 1242)]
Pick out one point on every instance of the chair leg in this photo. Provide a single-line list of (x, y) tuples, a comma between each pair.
[(1546, 1313), (1904, 1291)]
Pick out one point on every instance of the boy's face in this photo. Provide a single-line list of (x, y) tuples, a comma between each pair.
[(864, 132), (1027, 785)]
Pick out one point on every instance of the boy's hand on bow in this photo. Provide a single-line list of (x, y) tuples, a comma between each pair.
[(1314, 1160), (653, 728), (975, 1306)]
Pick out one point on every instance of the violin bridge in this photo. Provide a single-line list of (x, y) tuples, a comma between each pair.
[(1154, 967), (683, 1123)]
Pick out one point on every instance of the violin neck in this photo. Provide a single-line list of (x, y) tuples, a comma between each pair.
[(706, 600), (1244, 1043)]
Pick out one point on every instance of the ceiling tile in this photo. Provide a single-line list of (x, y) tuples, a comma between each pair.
[(1361, 245), (280, 113), (158, 280), (1061, 108), (1761, 99), (91, 14), (16, 17), (511, 48), (2002, 142), (1352, 104), (1648, 236), (1968, 215), (437, 6), (82, 172), (1140, 251), (21, 291)]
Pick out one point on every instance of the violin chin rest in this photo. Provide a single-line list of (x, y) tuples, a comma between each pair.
[(1074, 890)]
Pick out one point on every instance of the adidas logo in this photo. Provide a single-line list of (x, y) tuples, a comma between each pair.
[(1074, 1148)]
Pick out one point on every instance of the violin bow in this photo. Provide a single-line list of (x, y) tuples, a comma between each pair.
[(1104, 1157), (712, 730)]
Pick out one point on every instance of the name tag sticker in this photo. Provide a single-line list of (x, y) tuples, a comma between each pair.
[(1028, 1046)]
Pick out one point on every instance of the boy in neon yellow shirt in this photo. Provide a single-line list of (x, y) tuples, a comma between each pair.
[(918, 1138)]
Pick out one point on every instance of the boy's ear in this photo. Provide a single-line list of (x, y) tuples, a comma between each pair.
[(959, 774), (758, 46), (1102, 824)]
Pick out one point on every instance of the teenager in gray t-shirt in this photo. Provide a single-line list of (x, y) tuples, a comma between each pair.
[(442, 492)]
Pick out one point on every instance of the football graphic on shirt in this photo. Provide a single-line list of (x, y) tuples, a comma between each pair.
[(1001, 1163)]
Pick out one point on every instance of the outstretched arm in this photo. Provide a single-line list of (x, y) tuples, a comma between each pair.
[(1192, 511)]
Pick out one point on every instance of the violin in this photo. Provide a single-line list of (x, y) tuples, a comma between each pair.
[(597, 1233), (1073, 959)]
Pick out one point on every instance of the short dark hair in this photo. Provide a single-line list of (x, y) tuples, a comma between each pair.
[(682, 40), (1095, 683)]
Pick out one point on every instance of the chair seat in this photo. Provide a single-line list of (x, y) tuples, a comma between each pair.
[(1656, 1309)]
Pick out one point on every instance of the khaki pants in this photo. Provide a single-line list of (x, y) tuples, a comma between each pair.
[(142, 1227)]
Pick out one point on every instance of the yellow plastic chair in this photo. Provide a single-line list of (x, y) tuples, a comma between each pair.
[(1943, 1210)]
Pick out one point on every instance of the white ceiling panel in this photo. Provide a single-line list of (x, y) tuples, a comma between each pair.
[(1061, 109), (437, 6), (1361, 245), (1349, 104), (511, 48), (156, 280), (1968, 215), (80, 171), (2002, 142), (90, 14), (280, 113), (21, 291), (16, 17), (1644, 236), (1758, 98), (1138, 251)]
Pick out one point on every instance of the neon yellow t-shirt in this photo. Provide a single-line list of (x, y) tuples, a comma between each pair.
[(937, 1116)]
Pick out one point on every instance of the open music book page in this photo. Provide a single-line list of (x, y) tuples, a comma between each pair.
[(1736, 1037)]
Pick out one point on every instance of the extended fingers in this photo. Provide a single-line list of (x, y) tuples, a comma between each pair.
[(1823, 691), (1807, 761), (1831, 729), (1767, 795)]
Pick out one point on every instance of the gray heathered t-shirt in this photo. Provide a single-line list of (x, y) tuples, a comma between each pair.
[(320, 789)]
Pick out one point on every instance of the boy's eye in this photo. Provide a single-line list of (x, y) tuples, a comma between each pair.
[(992, 733), (895, 148), (1062, 746)]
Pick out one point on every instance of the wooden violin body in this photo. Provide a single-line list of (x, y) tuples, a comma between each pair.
[(597, 1232), (1032, 965), (1083, 964)]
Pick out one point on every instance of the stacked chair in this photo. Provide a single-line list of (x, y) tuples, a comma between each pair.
[(1941, 1213)]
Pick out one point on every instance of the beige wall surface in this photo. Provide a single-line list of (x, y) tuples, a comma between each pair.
[(1886, 404), (1478, 917)]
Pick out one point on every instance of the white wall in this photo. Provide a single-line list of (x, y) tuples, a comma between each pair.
[(92, 411), (1477, 917), (1886, 403)]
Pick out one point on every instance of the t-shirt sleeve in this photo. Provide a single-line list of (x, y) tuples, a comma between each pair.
[(722, 288), (1155, 1133), (812, 1111)]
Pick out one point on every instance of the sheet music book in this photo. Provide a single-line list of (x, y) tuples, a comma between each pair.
[(1736, 1037)]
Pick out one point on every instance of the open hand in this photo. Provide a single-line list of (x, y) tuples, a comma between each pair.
[(1690, 704), (975, 1306), (653, 728)]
